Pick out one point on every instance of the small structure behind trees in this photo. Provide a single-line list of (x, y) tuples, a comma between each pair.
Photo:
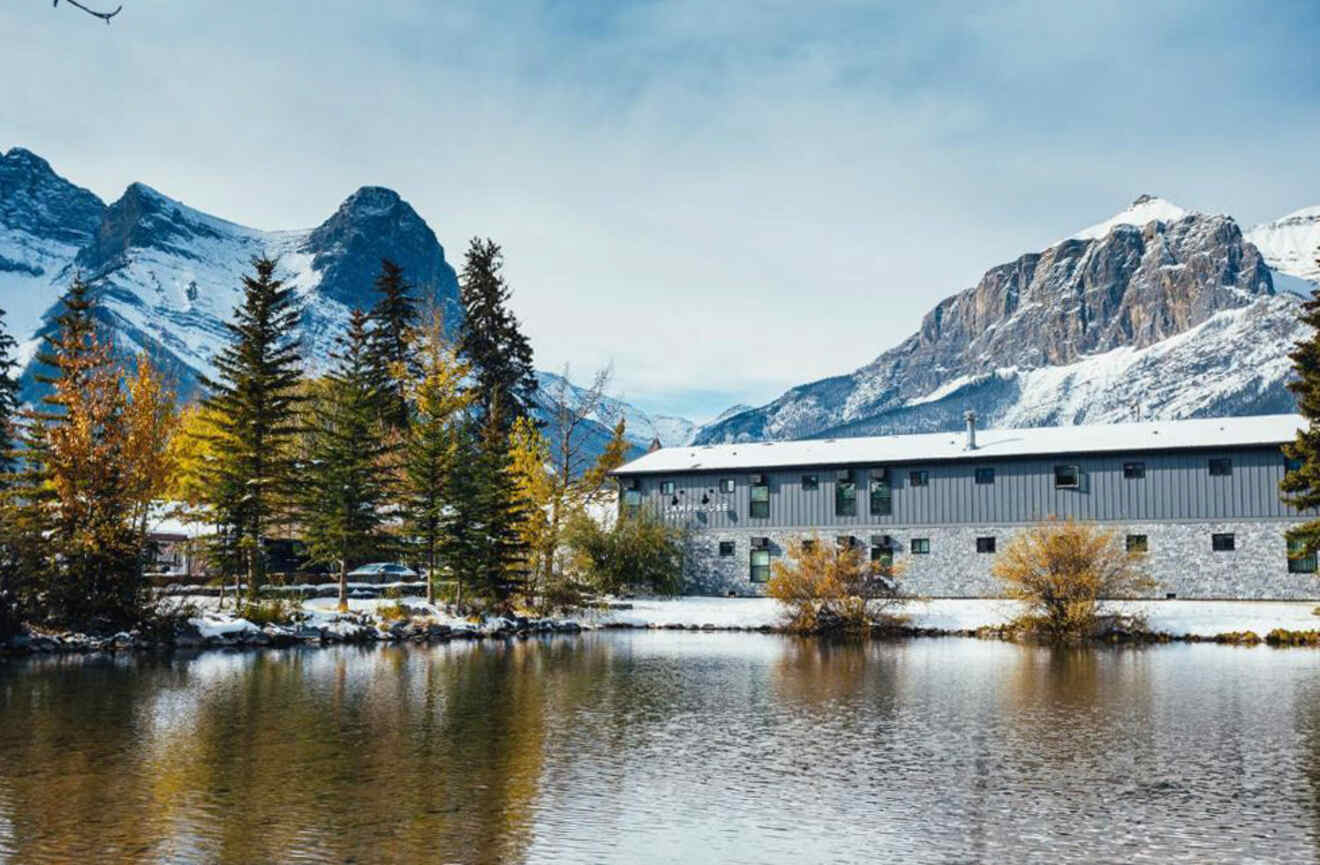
[(1062, 571)]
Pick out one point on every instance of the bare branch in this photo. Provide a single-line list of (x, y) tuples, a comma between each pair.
[(104, 16)]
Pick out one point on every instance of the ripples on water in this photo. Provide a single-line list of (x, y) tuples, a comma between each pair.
[(665, 747)]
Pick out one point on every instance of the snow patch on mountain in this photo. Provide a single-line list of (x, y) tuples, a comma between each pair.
[(1291, 244), (640, 427), (1146, 208)]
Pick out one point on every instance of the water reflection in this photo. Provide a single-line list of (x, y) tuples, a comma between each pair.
[(659, 747)]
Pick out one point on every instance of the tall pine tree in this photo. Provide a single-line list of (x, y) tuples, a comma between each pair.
[(343, 487), (391, 351), (1301, 482), (490, 340), (254, 402), (14, 585), (430, 450)]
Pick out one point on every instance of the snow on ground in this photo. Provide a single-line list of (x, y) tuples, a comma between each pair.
[(1177, 617)]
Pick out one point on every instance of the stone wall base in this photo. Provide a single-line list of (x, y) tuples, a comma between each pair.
[(1179, 558)]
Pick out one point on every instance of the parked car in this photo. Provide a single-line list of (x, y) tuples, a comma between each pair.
[(382, 572)]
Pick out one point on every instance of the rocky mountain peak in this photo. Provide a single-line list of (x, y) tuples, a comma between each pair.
[(37, 201), (374, 223)]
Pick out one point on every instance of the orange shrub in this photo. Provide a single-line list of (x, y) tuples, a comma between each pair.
[(830, 587)]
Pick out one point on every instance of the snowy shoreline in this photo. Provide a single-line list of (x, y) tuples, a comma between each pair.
[(321, 624)]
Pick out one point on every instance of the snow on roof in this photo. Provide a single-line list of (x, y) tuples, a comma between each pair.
[(934, 447)]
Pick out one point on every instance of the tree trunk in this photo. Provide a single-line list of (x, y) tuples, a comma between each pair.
[(343, 585)]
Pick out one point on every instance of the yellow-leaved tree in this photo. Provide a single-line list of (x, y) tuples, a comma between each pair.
[(834, 586)]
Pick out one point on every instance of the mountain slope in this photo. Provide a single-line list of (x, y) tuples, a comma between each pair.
[(169, 276), (1174, 317), (1291, 245)]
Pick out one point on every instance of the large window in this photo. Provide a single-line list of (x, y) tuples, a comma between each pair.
[(882, 495), (760, 570), (1221, 467), (920, 546), (1300, 561), (1137, 544), (985, 544), (632, 497), (882, 550), (760, 497), (810, 483), (1134, 471), (845, 494), (985, 475), (919, 478), (1067, 477), (1223, 543)]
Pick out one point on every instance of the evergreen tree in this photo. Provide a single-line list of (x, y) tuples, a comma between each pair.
[(1301, 483), (430, 450), (393, 325), (254, 402), (14, 587), (343, 490), (95, 462), (490, 340)]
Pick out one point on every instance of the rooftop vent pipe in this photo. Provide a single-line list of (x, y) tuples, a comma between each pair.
[(970, 417)]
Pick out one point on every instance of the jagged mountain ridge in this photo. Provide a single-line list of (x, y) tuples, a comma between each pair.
[(1175, 317), (168, 276)]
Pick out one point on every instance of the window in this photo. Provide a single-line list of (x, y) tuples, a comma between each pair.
[(760, 497), (1134, 471), (726, 549), (760, 571), (1291, 465), (808, 545), (985, 545), (726, 485), (882, 495), (810, 483), (985, 476), (1221, 467), (845, 494), (882, 550), (1067, 477), (666, 488), (1299, 561), (920, 546), (845, 542), (1224, 543), (632, 502), (1137, 544), (919, 479)]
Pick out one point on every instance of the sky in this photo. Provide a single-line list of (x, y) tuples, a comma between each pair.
[(721, 200)]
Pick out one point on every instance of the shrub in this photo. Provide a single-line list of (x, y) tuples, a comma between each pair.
[(829, 587), (393, 612), (275, 611), (1062, 570), (641, 550)]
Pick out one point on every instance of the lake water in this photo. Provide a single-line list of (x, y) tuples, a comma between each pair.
[(665, 747)]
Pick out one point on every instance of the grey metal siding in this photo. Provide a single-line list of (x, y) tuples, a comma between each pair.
[(1176, 486)]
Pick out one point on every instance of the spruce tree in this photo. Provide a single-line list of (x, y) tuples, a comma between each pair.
[(430, 450), (14, 588), (254, 400), (501, 564), (393, 337), (491, 341), (1301, 483), (343, 489)]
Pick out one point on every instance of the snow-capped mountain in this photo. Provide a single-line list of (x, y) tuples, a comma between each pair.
[(168, 276), (641, 428), (1156, 313), (1291, 245)]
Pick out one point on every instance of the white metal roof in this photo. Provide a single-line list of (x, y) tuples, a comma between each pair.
[(934, 447)]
